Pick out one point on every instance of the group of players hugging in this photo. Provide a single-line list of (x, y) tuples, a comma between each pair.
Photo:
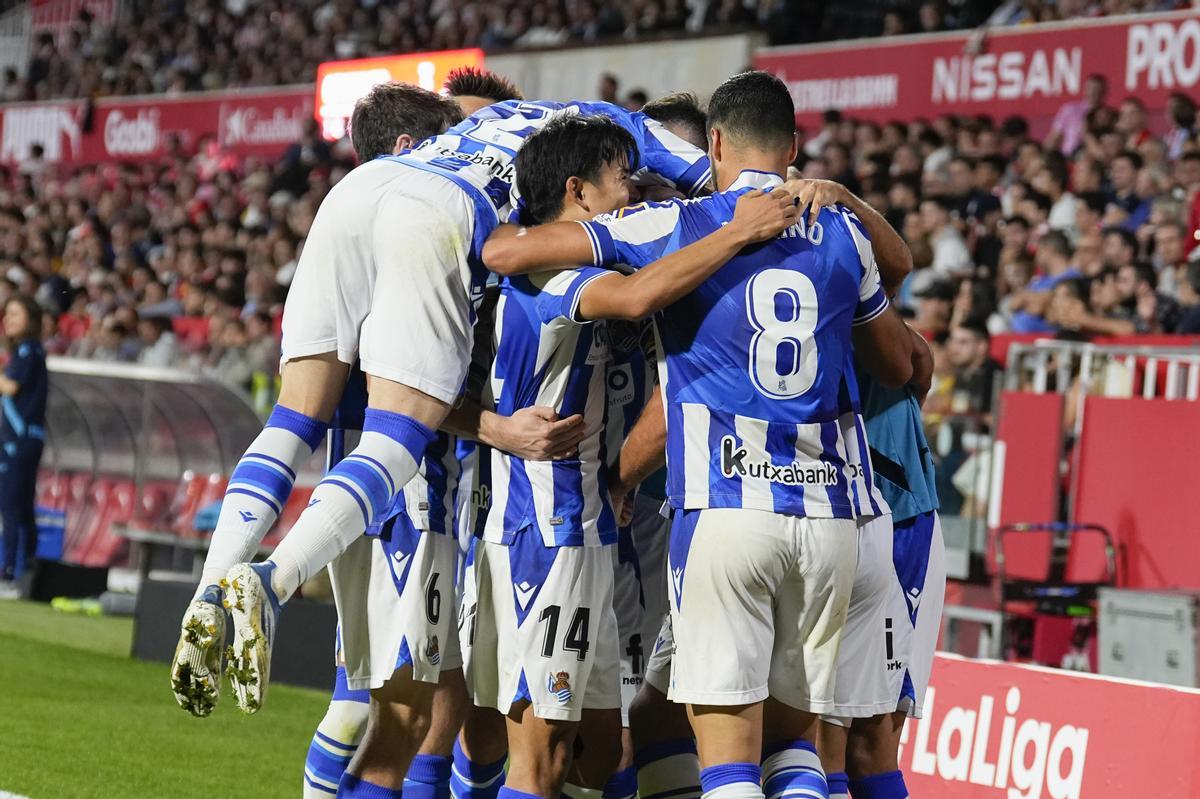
[(549, 301)]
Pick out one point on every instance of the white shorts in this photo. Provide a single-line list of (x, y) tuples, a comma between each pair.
[(395, 603), (867, 658), (758, 604), (919, 557), (543, 629), (385, 278)]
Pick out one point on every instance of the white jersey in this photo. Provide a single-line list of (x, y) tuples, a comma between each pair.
[(478, 153), (546, 357)]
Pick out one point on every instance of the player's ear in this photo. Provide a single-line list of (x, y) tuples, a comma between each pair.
[(403, 142), (795, 150), (715, 143), (574, 192)]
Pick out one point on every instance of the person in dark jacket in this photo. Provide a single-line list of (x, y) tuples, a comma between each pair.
[(23, 389)]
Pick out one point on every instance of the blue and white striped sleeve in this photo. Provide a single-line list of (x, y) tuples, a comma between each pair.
[(637, 235), (662, 152), (872, 301), (560, 294)]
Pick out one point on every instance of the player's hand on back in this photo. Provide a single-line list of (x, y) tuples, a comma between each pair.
[(759, 216), (537, 434), (816, 194)]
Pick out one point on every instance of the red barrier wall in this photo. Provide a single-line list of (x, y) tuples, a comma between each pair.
[(1023, 70), (1006, 731), (1139, 476)]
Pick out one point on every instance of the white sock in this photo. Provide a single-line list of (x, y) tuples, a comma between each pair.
[(732, 781), (258, 489), (794, 773), (355, 493)]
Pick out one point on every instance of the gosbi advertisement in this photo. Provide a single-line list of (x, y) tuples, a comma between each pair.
[(340, 84)]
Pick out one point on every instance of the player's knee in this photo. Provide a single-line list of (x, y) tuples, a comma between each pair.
[(313, 385), (344, 722), (871, 746)]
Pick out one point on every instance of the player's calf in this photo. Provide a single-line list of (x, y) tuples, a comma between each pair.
[(400, 721), (540, 753), (597, 754), (480, 752)]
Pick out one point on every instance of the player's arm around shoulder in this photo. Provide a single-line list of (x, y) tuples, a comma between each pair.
[(757, 216), (515, 250)]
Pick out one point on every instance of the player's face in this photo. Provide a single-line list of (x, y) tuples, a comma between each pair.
[(610, 191)]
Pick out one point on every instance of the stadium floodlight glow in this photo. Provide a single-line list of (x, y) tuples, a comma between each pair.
[(340, 84)]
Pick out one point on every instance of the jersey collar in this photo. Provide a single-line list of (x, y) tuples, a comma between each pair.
[(753, 179)]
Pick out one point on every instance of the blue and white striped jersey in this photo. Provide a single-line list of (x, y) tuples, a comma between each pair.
[(477, 154), (753, 361), (546, 357)]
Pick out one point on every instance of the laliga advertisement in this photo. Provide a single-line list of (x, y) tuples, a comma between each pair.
[(1028, 71), (340, 84), (1004, 731)]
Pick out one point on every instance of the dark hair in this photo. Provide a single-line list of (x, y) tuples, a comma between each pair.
[(637, 97), (33, 312), (1017, 220), (1014, 127), (1040, 200), (476, 82), (571, 146), (755, 107), (1057, 241), (1127, 237), (1134, 158), (679, 108), (977, 327), (1095, 201), (393, 109)]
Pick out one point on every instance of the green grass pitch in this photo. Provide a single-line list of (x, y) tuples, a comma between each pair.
[(80, 718)]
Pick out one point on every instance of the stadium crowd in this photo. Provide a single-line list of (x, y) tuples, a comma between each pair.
[(189, 45), (1087, 232)]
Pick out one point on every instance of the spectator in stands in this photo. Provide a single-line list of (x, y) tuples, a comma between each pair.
[(1189, 298), (1170, 255), (951, 258), (1181, 109), (1131, 123), (160, 347), (23, 390), (974, 369), (1053, 262), (1066, 132), (935, 304)]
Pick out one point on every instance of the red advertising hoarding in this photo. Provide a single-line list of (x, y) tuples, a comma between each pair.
[(1027, 71), (1005, 731), (245, 122)]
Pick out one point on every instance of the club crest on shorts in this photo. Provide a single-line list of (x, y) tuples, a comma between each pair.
[(560, 685), (432, 653)]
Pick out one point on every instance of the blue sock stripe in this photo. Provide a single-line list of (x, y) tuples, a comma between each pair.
[(334, 480), (838, 783), (889, 785), (375, 487), (512, 793), (257, 495), (404, 430), (273, 462), (429, 769), (334, 742), (324, 764), (306, 428), (352, 787), (621, 784), (664, 749), (783, 746), (382, 470), (265, 478), (715, 777), (319, 787)]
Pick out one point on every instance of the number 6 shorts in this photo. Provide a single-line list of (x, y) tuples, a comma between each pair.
[(758, 605), (395, 603), (542, 628)]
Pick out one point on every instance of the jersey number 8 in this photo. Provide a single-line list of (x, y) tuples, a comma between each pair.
[(781, 305)]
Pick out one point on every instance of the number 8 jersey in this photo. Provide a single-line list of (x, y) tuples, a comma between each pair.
[(755, 360)]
